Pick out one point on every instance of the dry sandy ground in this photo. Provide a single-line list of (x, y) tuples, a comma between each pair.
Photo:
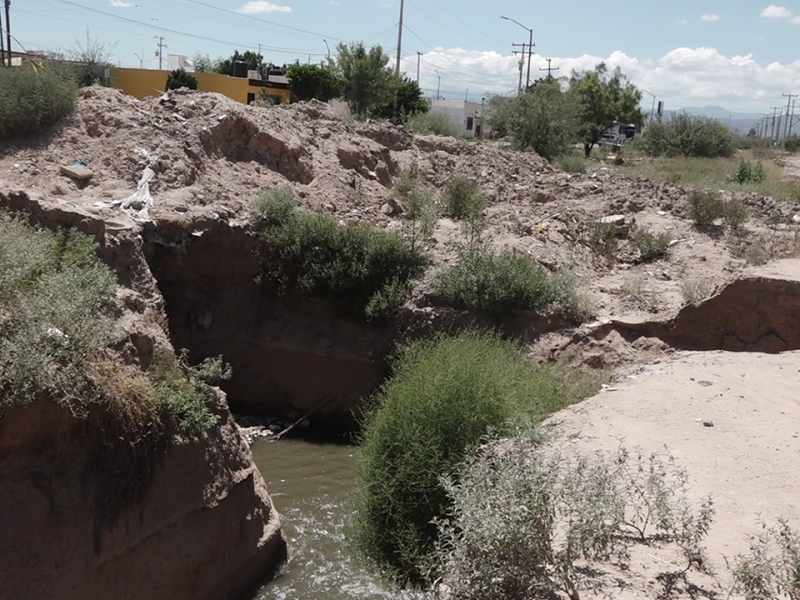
[(748, 461)]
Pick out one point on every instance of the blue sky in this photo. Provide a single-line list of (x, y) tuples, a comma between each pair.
[(741, 54)]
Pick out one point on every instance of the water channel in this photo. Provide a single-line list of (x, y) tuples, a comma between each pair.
[(310, 484)]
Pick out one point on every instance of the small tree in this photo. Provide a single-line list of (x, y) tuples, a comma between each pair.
[(179, 78), (312, 81), (255, 62), (604, 100), (689, 135), (203, 63), (366, 81), (89, 60), (543, 118), (410, 102)]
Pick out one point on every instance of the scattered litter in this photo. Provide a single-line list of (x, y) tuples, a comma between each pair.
[(708, 423), (662, 213), (704, 383), (80, 161), (608, 388), (137, 205)]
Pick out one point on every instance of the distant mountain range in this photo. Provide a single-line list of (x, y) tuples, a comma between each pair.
[(738, 121)]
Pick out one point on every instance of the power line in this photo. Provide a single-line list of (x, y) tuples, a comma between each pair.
[(442, 54), (467, 24), (445, 24)]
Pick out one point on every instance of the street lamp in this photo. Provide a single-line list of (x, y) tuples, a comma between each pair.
[(438, 83), (652, 110), (328, 47), (530, 48)]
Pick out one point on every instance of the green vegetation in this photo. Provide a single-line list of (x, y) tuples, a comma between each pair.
[(445, 395), (651, 246), (358, 268), (499, 284), (179, 78), (463, 198), (224, 66), (430, 123), (571, 163), (524, 523), (716, 174), (792, 144), (417, 199), (689, 135), (543, 118), (749, 173), (603, 100), (312, 81), (34, 98), (694, 291), (410, 102), (706, 207), (603, 240), (366, 80), (57, 324)]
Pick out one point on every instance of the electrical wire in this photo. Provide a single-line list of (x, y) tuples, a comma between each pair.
[(468, 25), (445, 24)]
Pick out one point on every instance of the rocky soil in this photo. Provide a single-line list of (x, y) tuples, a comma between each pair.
[(188, 262)]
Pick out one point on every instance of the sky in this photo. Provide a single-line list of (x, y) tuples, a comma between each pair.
[(738, 54)]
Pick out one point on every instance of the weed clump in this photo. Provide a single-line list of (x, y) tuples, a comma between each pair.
[(521, 521), (603, 240), (651, 246), (430, 123), (749, 173), (364, 272), (705, 207), (571, 163), (463, 199), (32, 99), (445, 395), (498, 284)]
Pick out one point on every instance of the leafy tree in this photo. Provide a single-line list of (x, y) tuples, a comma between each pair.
[(255, 62), (366, 81), (410, 101), (203, 63), (689, 135), (312, 81), (543, 118), (604, 100), (179, 78)]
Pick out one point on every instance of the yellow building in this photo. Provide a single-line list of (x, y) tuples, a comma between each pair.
[(141, 83)]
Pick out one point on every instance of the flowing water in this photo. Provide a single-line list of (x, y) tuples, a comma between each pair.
[(310, 484)]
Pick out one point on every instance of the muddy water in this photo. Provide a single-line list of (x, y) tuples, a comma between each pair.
[(310, 484)]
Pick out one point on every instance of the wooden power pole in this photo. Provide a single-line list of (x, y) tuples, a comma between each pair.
[(788, 126), (549, 69)]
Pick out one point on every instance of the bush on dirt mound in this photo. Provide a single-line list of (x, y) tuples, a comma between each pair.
[(33, 98)]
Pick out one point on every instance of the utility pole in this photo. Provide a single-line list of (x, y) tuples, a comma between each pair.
[(788, 126), (160, 52), (791, 119), (438, 83), (419, 57), (549, 76), (521, 64), (774, 110), (326, 46), (399, 41), (141, 60), (530, 47), (8, 29), (2, 43)]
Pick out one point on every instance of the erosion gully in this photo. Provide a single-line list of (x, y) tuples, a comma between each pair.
[(289, 355)]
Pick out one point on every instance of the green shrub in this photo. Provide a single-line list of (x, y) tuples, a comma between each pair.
[(705, 207), (603, 239), (734, 214), (571, 163), (524, 524), (32, 99), (651, 246), (792, 143), (499, 284), (463, 198), (431, 123), (749, 173), (689, 135), (416, 197), (359, 269), (179, 78), (445, 395)]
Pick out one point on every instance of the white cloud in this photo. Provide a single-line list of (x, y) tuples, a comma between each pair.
[(261, 6), (709, 17), (121, 4), (333, 3), (682, 22), (682, 77), (777, 12), (796, 20)]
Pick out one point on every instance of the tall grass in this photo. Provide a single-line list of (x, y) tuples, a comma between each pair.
[(428, 123), (32, 99), (499, 284), (445, 395), (363, 271)]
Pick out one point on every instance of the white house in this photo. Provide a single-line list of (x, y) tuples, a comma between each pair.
[(467, 117)]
